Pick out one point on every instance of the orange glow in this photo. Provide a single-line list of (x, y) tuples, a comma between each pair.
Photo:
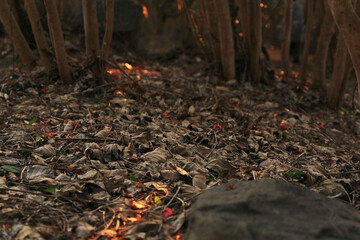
[(267, 25), (275, 115), (241, 34), (286, 109), (145, 11), (178, 237), (128, 66), (261, 5), (125, 99), (237, 21), (163, 188), (119, 93), (179, 5), (138, 205), (130, 220), (265, 6), (282, 72)]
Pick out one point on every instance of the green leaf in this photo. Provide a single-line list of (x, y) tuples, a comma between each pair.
[(211, 177), (157, 200), (300, 175), (103, 105), (132, 178), (38, 138), (11, 169), (50, 189), (5, 63), (32, 121), (70, 98)]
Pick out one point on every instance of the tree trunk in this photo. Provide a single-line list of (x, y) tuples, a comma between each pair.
[(322, 48), (210, 12), (306, 51), (250, 14), (286, 37), (227, 50), (57, 40), (348, 23), (92, 37), (39, 35), (109, 28), (13, 30), (255, 39), (337, 84), (60, 7)]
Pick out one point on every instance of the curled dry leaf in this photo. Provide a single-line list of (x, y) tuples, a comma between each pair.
[(46, 150), (221, 166), (181, 171), (111, 151), (28, 233), (171, 175), (158, 155), (103, 133), (88, 175), (199, 180), (38, 172), (45, 182), (69, 126)]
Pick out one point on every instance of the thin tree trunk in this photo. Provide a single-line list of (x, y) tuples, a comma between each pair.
[(256, 39), (348, 23), (109, 28), (306, 51), (227, 50), (337, 79), (57, 40), (91, 28), (286, 37), (39, 35), (212, 24), (322, 48), (251, 25), (13, 30), (92, 37), (60, 7)]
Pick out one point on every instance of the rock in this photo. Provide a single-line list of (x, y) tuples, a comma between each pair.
[(127, 15), (269, 209)]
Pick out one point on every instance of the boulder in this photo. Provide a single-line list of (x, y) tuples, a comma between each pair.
[(269, 209)]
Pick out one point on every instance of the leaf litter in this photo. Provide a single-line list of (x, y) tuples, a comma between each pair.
[(127, 159)]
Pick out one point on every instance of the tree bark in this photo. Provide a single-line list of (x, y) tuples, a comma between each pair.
[(91, 28), (337, 84), (306, 51), (250, 15), (255, 39), (109, 28), (92, 37), (227, 50), (322, 48), (286, 37), (39, 35), (57, 40), (13, 30), (212, 25), (348, 23)]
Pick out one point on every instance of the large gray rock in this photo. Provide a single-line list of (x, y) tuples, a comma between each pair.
[(270, 209), (127, 15)]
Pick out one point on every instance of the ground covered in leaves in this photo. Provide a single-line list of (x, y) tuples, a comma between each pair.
[(127, 159)]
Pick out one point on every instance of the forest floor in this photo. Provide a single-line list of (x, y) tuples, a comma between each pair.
[(129, 157)]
